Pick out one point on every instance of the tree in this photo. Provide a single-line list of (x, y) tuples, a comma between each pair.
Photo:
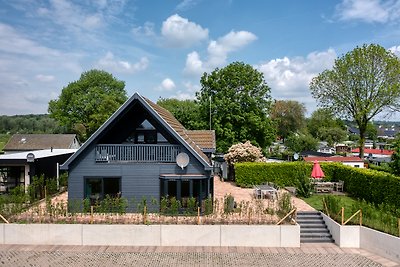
[(240, 102), (324, 126), (301, 142), (288, 116), (362, 84), (395, 163), (186, 112), (84, 105)]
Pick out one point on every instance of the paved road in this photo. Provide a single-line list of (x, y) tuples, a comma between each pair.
[(308, 255)]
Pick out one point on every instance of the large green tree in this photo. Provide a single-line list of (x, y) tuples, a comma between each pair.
[(186, 112), (361, 84), (240, 103), (289, 116), (323, 125), (84, 105)]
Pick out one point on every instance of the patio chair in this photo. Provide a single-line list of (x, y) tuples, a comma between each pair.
[(339, 186), (257, 192)]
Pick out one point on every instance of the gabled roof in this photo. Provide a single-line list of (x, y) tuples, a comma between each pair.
[(163, 116), (205, 139), (26, 142)]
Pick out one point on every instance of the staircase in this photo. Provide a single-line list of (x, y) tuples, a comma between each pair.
[(313, 228)]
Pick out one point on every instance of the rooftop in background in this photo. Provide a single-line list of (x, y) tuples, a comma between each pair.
[(45, 153), (205, 139), (27, 142), (374, 151), (334, 159)]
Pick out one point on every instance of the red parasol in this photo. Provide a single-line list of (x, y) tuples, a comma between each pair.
[(317, 172)]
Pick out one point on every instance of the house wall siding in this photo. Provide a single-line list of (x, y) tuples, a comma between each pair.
[(138, 180)]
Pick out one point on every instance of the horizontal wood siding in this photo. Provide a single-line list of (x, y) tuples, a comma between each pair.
[(138, 179)]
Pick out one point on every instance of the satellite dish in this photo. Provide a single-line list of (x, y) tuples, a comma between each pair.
[(30, 157), (296, 156), (182, 160)]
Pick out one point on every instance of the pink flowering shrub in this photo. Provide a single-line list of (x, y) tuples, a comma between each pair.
[(244, 152)]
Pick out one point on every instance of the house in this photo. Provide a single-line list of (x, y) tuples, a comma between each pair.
[(350, 161), (30, 142), (17, 169), (374, 153), (142, 151)]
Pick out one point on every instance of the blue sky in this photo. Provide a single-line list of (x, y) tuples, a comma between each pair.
[(161, 48)]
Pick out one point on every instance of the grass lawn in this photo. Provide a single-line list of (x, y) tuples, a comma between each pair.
[(3, 140), (380, 218), (315, 201)]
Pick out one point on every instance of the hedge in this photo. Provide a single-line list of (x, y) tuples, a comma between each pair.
[(373, 186)]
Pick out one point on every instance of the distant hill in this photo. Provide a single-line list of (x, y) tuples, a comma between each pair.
[(32, 123)]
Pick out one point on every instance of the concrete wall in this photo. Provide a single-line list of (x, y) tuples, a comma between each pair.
[(345, 236), (151, 235), (380, 243), (355, 236)]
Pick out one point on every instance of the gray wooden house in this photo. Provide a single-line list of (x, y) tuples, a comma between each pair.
[(136, 154)]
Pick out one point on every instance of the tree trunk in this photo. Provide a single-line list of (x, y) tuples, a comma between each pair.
[(362, 141)]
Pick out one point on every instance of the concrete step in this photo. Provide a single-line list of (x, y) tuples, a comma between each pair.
[(314, 230), (321, 240)]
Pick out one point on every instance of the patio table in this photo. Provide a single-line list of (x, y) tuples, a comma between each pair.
[(267, 190), (323, 187)]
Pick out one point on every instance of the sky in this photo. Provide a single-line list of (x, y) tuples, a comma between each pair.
[(162, 48)]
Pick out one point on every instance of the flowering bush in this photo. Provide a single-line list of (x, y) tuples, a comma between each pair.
[(244, 152)]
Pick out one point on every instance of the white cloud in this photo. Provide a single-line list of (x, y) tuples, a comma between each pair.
[(147, 30), (290, 78), (380, 11), (45, 78), (110, 63), (180, 32), (167, 85), (186, 4), (72, 17), (183, 95), (22, 64), (218, 52), (395, 50)]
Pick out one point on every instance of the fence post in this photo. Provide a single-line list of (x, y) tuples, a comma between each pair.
[(198, 215), (91, 214), (360, 217), (342, 215)]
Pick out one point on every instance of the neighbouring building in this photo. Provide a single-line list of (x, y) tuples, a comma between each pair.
[(374, 153), (350, 161), (18, 169), (30, 142), (142, 151)]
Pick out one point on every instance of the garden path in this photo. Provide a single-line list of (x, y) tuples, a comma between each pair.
[(221, 188)]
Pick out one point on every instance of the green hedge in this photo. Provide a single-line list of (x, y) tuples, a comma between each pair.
[(373, 186)]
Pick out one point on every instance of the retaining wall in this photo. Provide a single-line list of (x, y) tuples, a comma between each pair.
[(151, 235), (355, 236)]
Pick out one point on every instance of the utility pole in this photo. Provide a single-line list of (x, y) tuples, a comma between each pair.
[(210, 112)]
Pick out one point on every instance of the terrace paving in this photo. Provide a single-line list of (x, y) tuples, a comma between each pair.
[(306, 255), (246, 194)]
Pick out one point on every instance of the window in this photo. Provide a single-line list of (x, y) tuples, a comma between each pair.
[(11, 177), (97, 189)]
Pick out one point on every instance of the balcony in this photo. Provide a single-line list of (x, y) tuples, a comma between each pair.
[(136, 153)]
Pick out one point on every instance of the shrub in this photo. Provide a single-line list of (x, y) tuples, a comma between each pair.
[(304, 187), (244, 152)]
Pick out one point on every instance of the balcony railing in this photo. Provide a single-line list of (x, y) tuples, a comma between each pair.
[(136, 153)]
